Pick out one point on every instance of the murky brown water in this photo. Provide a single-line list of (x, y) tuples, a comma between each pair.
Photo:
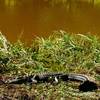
[(24, 19)]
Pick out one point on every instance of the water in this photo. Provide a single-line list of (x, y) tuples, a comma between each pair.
[(25, 19)]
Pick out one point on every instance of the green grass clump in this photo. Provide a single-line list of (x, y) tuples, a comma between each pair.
[(60, 52)]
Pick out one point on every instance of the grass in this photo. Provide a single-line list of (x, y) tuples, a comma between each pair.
[(60, 52)]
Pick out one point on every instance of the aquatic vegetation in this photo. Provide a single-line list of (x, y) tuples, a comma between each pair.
[(60, 52)]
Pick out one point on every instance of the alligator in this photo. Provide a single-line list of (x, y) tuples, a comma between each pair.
[(86, 84)]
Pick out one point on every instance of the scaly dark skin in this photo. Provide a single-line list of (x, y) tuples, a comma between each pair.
[(85, 86)]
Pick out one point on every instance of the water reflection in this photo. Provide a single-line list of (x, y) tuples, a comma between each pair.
[(10, 3), (24, 19)]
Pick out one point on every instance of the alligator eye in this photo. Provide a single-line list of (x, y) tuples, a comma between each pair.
[(88, 86)]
